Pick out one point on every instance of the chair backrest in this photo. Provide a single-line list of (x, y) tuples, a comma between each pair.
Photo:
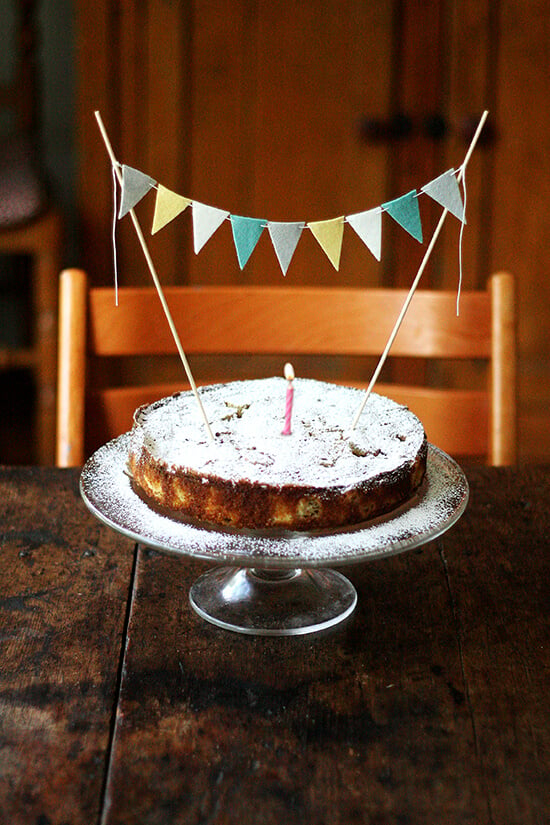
[(294, 321)]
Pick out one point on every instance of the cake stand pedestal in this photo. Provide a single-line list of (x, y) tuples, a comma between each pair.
[(273, 602), (273, 583)]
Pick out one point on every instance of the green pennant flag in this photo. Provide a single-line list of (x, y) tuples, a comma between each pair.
[(246, 234), (405, 212)]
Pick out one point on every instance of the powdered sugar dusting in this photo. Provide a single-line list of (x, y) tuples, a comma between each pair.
[(247, 418), (107, 490)]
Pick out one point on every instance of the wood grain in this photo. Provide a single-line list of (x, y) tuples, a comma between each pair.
[(65, 582), (521, 225), (257, 320), (71, 357), (428, 707)]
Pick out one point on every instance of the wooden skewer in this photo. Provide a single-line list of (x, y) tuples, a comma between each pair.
[(416, 281), (156, 281)]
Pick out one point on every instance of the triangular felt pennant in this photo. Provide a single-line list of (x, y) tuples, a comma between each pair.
[(206, 219), (285, 237), (246, 234), (405, 211), (329, 235), (168, 206), (368, 226), (135, 185), (446, 191)]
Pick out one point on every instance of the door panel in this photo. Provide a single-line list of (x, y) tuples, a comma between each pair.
[(291, 116)]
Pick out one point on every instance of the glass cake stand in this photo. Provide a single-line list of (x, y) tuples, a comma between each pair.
[(273, 583)]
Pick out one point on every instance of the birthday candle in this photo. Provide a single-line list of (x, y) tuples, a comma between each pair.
[(289, 375)]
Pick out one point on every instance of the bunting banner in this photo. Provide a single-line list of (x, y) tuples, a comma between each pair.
[(285, 235)]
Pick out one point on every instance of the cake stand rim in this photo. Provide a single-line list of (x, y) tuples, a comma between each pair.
[(105, 469)]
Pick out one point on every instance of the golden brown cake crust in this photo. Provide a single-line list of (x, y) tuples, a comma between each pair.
[(254, 477)]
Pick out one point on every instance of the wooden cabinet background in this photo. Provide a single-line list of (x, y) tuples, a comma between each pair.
[(271, 110)]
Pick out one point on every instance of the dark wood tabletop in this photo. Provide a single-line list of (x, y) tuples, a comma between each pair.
[(118, 704)]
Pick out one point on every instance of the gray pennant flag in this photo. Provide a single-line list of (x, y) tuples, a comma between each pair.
[(135, 185)]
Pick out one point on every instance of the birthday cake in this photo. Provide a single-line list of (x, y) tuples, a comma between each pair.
[(251, 475)]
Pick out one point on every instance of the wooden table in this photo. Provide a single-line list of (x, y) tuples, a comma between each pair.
[(119, 705)]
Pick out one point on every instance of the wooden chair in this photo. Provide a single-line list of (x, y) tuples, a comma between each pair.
[(29, 225), (41, 241), (290, 322)]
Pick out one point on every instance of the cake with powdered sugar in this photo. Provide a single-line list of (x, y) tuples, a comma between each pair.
[(253, 476)]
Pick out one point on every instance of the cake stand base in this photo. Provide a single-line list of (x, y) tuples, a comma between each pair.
[(263, 602)]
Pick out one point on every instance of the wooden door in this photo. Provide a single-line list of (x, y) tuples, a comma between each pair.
[(319, 110)]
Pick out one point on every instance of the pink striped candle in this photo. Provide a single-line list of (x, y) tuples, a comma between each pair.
[(289, 375)]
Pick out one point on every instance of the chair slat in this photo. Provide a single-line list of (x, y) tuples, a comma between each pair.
[(305, 320)]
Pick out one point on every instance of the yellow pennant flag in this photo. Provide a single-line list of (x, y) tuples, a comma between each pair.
[(168, 206), (329, 235)]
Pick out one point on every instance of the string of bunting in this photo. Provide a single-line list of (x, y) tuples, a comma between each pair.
[(285, 235), (246, 233)]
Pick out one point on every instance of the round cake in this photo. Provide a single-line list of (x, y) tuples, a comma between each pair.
[(254, 476)]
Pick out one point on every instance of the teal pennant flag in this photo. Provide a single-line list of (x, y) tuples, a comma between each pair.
[(405, 211), (135, 185), (246, 234)]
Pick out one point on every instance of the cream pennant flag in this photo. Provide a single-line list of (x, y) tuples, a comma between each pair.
[(329, 235), (206, 220), (368, 226), (285, 237), (446, 192), (168, 206), (405, 211), (135, 185)]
